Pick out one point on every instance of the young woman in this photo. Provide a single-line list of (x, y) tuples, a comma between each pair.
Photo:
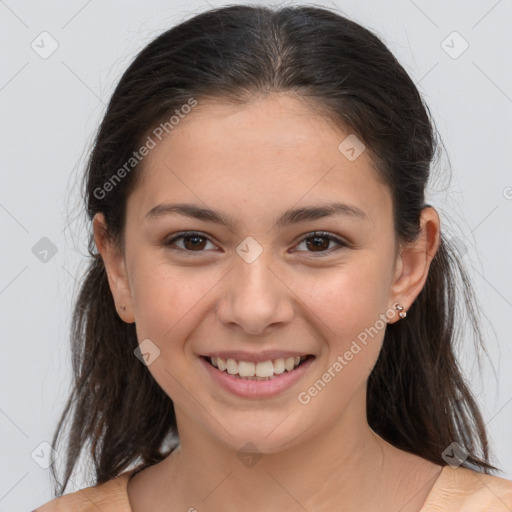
[(269, 315)]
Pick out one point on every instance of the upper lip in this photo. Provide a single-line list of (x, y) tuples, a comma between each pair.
[(265, 355)]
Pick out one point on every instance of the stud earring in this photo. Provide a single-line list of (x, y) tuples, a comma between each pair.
[(401, 310), (123, 308)]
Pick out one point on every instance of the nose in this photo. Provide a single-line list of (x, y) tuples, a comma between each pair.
[(254, 298)]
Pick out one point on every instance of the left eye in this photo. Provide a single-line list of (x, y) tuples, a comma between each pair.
[(320, 241), (317, 242)]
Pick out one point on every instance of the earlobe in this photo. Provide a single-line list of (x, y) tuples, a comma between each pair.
[(115, 268), (414, 260)]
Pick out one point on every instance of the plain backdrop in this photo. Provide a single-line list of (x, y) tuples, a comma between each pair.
[(59, 64)]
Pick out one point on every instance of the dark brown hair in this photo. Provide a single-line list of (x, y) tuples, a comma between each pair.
[(417, 397)]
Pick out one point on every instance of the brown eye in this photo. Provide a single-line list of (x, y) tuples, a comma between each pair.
[(192, 242), (319, 243)]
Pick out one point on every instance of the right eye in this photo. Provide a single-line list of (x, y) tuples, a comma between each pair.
[(192, 241)]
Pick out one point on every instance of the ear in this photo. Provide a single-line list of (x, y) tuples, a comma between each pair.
[(115, 266), (414, 259)]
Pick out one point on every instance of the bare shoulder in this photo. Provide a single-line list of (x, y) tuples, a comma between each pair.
[(110, 496), (460, 488), (475, 482), (68, 502)]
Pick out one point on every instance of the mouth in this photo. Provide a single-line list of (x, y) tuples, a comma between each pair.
[(266, 375), (257, 370)]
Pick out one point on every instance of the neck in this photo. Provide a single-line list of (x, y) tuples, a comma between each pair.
[(345, 459)]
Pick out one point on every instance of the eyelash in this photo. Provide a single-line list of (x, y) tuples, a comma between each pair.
[(314, 234)]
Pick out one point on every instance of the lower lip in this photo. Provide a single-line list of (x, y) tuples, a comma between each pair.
[(257, 388)]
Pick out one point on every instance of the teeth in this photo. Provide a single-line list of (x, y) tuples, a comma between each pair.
[(278, 366), (246, 369), (289, 363), (263, 369), (232, 366)]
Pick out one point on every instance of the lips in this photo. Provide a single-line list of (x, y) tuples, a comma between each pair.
[(244, 380)]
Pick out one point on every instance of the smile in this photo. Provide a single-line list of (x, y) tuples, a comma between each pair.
[(262, 370), (256, 379)]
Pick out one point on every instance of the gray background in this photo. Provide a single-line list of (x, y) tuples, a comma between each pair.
[(51, 108)]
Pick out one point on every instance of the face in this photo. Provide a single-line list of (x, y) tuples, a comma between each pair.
[(264, 286)]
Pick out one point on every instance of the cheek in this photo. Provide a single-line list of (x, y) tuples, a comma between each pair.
[(350, 315), (349, 307), (168, 302), (155, 294), (168, 299), (348, 297)]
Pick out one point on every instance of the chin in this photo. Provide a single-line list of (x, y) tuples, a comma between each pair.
[(272, 433)]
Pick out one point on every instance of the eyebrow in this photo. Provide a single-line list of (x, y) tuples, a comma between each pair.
[(293, 216)]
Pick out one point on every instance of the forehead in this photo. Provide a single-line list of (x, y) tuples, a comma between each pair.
[(270, 154)]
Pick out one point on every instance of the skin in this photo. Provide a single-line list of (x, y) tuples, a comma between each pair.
[(253, 163)]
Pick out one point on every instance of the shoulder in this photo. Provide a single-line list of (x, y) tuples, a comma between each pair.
[(465, 489), (110, 496)]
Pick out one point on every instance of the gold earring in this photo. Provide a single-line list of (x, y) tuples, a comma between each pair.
[(401, 310)]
